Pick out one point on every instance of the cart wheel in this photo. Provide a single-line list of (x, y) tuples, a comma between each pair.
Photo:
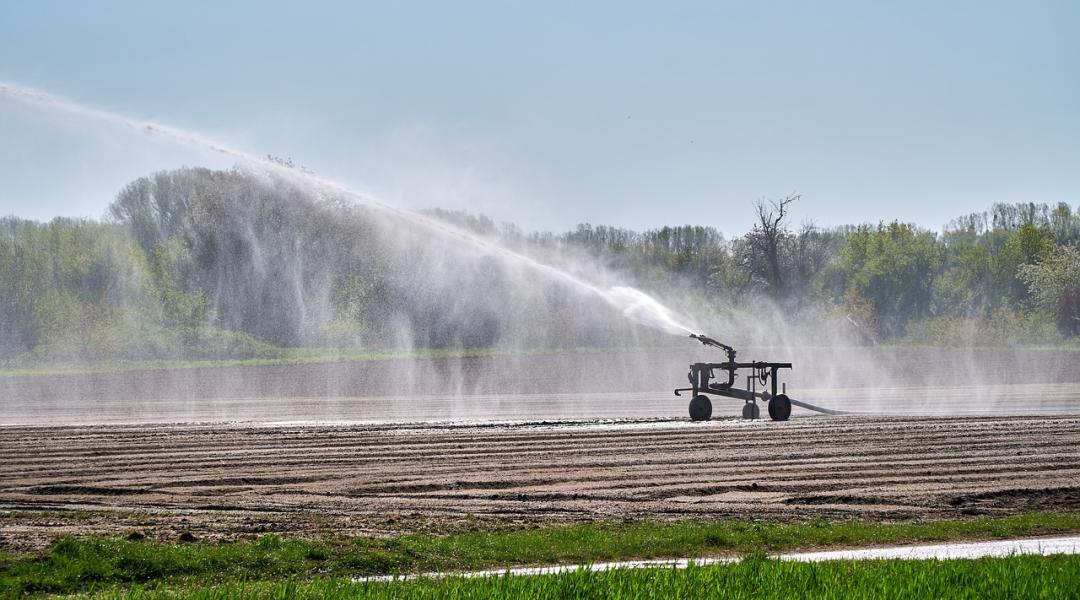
[(779, 407), (700, 408), (750, 410)]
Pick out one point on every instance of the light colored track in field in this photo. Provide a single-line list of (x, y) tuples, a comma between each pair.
[(951, 551)]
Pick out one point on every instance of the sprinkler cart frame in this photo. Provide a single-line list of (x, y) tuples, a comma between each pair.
[(764, 372)]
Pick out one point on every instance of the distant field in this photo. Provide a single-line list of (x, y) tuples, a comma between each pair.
[(314, 356), (578, 384)]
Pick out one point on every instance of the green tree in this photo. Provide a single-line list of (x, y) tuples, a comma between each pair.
[(889, 269), (966, 288), (1065, 224), (1028, 244), (1054, 283)]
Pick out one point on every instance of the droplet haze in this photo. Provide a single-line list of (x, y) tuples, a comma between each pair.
[(634, 304)]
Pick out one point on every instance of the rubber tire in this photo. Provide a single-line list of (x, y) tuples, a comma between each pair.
[(779, 407), (700, 408), (751, 411)]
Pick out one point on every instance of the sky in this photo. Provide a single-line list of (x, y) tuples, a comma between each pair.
[(550, 114)]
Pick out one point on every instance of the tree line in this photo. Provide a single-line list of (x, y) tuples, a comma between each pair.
[(196, 263)]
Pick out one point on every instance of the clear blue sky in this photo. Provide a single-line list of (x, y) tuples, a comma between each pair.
[(550, 114)]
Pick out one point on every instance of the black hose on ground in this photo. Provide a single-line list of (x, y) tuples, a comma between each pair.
[(820, 409)]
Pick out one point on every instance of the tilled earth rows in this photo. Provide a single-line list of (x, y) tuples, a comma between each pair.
[(226, 481)]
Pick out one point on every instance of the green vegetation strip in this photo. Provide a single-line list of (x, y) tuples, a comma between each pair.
[(288, 356), (1015, 577), (72, 564), (319, 356)]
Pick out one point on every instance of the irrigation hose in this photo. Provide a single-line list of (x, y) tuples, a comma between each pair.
[(821, 409)]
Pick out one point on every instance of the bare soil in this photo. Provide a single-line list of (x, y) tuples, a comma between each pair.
[(228, 481)]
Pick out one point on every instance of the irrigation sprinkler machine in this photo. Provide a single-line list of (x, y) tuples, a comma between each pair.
[(704, 382)]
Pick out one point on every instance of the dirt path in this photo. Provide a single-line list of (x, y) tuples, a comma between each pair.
[(231, 481)]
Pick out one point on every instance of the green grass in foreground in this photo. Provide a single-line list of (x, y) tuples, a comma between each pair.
[(1027, 577), (72, 565)]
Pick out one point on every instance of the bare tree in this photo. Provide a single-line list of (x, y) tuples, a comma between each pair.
[(762, 250)]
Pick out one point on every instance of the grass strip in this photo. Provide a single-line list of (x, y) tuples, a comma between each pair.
[(289, 356), (306, 356), (79, 564), (1028, 577)]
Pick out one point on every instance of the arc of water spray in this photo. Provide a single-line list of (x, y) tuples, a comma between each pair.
[(634, 304)]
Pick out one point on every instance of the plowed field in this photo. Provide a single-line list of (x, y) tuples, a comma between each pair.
[(234, 480)]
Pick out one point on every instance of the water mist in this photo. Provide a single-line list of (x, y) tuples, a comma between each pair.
[(632, 303)]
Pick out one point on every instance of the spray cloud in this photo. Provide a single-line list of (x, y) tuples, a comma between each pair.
[(632, 303)]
